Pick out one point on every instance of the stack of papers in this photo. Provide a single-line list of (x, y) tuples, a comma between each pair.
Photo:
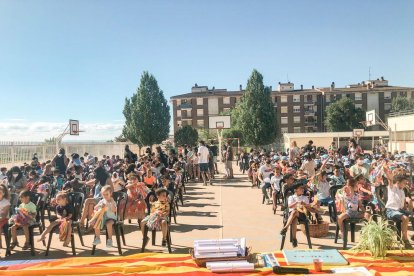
[(231, 266), (219, 248), (269, 260)]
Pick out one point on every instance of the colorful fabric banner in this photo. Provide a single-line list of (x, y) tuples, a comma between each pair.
[(395, 264)]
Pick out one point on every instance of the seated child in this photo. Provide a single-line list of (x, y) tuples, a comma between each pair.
[(58, 180), (158, 217), (352, 204), (275, 182), (364, 189), (24, 217), (64, 213), (321, 185), (105, 215), (4, 206), (43, 187), (395, 206), (298, 206), (337, 178)]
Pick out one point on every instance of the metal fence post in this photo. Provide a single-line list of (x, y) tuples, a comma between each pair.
[(12, 153)]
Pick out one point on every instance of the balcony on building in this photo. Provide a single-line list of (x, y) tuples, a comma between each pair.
[(185, 106), (309, 111)]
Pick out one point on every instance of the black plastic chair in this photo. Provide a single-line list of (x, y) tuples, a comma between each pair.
[(286, 195), (332, 193), (36, 198), (121, 199), (14, 198), (349, 223), (154, 233), (76, 200)]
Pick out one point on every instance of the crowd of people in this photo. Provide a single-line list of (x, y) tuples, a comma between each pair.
[(152, 183), (302, 180)]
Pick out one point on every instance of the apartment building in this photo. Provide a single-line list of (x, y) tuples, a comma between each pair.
[(298, 110)]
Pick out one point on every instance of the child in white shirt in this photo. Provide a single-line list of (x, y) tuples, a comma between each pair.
[(296, 202)]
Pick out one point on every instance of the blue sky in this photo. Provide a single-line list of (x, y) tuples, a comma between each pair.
[(80, 59)]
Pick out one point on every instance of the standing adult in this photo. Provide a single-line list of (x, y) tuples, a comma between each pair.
[(228, 157), (354, 150), (203, 158), (60, 161), (16, 180), (309, 147), (294, 152), (214, 150), (129, 154), (309, 165), (162, 156)]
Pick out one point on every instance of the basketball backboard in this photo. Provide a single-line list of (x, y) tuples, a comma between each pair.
[(358, 132), (370, 118), (73, 127), (219, 122)]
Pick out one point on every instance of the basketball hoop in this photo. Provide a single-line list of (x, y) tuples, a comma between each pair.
[(358, 132)]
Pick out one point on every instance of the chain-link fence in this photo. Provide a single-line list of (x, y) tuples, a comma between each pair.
[(17, 153)]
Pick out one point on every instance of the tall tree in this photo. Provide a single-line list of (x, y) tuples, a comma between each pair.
[(147, 114), (342, 115), (255, 115), (187, 135), (401, 104)]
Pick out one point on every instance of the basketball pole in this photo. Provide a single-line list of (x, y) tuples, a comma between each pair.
[(220, 139), (60, 137)]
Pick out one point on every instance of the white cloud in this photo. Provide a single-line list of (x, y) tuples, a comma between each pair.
[(39, 131)]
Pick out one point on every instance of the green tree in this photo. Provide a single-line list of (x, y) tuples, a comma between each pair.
[(186, 135), (342, 115), (254, 116), (399, 104), (147, 114), (120, 138)]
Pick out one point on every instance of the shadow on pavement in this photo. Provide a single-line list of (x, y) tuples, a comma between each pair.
[(184, 228)]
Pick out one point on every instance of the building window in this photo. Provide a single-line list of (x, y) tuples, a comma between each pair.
[(296, 130), (387, 95), (296, 109), (200, 112), (283, 109), (358, 96), (183, 101), (296, 98), (187, 123), (358, 106), (387, 106), (283, 99), (179, 123), (199, 101), (178, 113), (226, 100), (284, 120), (403, 94), (328, 98), (200, 123), (296, 119), (226, 110), (284, 129)]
